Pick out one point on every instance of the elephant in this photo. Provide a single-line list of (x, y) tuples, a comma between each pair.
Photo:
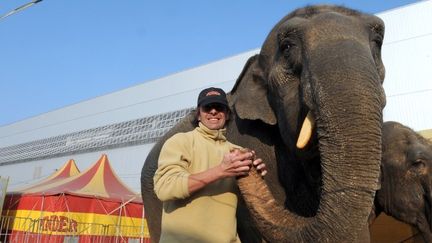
[(310, 105), (406, 178)]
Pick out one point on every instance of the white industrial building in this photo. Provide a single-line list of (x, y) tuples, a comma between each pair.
[(125, 124)]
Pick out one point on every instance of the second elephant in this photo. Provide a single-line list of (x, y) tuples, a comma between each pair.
[(406, 178)]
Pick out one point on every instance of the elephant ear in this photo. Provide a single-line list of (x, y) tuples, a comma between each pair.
[(249, 94)]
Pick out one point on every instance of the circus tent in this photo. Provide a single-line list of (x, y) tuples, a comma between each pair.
[(83, 207), (67, 170)]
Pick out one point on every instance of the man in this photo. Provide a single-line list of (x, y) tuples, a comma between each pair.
[(196, 174)]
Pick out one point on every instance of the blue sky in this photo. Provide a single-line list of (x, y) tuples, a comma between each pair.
[(57, 52)]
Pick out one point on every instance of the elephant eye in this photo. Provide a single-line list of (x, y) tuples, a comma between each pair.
[(377, 33), (285, 47), (378, 39), (418, 164)]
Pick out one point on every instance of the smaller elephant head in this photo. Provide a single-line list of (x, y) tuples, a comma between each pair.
[(406, 179)]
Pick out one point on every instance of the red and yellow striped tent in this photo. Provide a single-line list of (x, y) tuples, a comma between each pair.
[(67, 170), (92, 206)]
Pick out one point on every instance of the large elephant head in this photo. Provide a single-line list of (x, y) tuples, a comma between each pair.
[(406, 181), (322, 63)]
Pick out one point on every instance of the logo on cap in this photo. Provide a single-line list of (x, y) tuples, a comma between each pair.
[(213, 92)]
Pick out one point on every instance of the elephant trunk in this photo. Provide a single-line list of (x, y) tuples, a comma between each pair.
[(347, 104)]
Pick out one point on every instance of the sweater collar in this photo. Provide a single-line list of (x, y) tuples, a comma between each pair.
[(213, 134)]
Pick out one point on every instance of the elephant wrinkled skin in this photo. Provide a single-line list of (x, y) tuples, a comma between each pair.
[(406, 178), (322, 62)]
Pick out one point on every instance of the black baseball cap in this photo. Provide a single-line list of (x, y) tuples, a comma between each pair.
[(212, 95)]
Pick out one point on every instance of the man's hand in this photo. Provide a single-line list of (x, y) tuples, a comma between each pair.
[(250, 156), (236, 163)]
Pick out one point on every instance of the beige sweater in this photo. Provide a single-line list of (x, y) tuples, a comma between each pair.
[(207, 215)]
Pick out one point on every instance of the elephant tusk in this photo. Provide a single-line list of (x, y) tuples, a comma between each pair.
[(305, 131)]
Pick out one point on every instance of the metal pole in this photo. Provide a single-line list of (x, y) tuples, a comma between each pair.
[(20, 8)]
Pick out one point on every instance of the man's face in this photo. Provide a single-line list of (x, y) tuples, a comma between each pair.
[(213, 116)]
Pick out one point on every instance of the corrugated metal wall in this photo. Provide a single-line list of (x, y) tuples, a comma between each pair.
[(407, 55)]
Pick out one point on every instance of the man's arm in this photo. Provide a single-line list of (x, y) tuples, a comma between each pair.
[(233, 164), (172, 181)]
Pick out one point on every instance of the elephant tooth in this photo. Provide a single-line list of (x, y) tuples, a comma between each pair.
[(305, 131)]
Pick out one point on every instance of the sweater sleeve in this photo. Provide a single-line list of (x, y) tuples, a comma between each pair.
[(171, 177)]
